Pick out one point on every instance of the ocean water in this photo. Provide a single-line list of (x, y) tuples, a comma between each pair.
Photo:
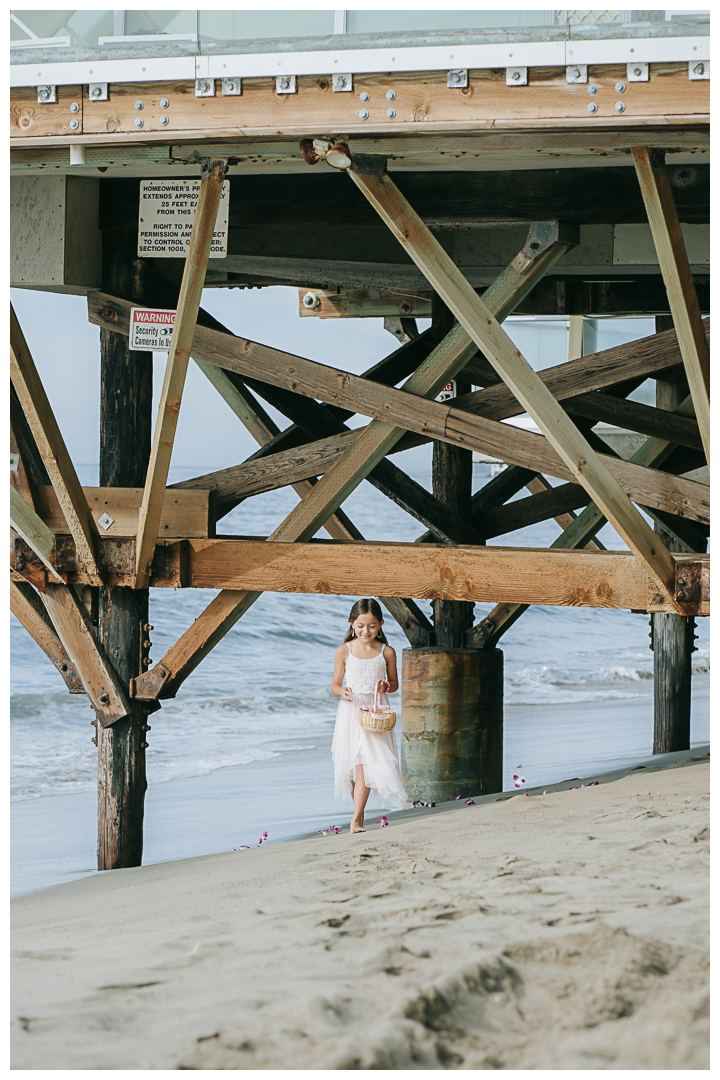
[(263, 693)]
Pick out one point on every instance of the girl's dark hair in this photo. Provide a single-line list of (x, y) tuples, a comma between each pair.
[(365, 607)]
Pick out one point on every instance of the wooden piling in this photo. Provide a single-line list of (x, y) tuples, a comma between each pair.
[(125, 437), (452, 722), (452, 485), (672, 635)]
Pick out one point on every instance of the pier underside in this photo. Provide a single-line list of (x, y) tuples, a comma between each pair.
[(467, 205)]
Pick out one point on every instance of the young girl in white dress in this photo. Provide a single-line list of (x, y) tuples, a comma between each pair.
[(365, 761)]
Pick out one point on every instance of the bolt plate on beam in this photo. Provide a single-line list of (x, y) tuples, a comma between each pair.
[(342, 83), (516, 76), (576, 73), (231, 87), (457, 79), (204, 88), (98, 91), (285, 84), (46, 95), (105, 521), (638, 72), (699, 70)]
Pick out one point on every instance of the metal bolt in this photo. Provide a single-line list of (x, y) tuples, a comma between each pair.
[(592, 107), (637, 71), (284, 83), (74, 124), (620, 87), (699, 69), (390, 95), (311, 301), (164, 103), (390, 113), (619, 106), (44, 93), (575, 73), (139, 122), (94, 739), (364, 96), (93, 723), (104, 698), (404, 307), (164, 121), (146, 727), (144, 745), (203, 86), (147, 644), (74, 107), (341, 81), (147, 662), (363, 114), (95, 92), (139, 106), (147, 626), (515, 75), (593, 89)]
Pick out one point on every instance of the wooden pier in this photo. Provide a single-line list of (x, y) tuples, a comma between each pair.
[(563, 187)]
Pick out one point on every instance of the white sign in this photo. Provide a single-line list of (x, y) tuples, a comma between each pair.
[(448, 391), (167, 209), (151, 328)]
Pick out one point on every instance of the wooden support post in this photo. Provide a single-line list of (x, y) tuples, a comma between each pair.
[(479, 322), (371, 445), (671, 635), (28, 609), (34, 532), (50, 443), (177, 365), (126, 386), (452, 485), (675, 268)]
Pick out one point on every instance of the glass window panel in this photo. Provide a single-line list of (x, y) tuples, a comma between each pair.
[(146, 23), (378, 21), (43, 24), (251, 25)]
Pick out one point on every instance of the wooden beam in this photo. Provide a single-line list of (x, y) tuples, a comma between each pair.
[(647, 357), (675, 267), (646, 419), (51, 446), (34, 532), (73, 626), (430, 419), (539, 507), (28, 609), (478, 321), (553, 576), (184, 513), (177, 364)]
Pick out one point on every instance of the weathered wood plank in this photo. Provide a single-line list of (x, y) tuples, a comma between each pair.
[(484, 329), (184, 513), (51, 446), (34, 531), (540, 507), (177, 365), (518, 575), (431, 419), (659, 423), (648, 356), (675, 267), (28, 609), (73, 626)]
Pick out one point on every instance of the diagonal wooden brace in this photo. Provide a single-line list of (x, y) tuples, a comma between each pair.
[(28, 609), (177, 365), (478, 320), (52, 449), (34, 532), (677, 275)]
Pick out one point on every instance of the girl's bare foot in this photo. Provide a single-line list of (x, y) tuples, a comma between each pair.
[(357, 826)]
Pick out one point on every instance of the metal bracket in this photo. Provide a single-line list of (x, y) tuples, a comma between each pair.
[(231, 87), (286, 84), (47, 95), (98, 91), (342, 84), (516, 76), (105, 521), (457, 79), (369, 164), (148, 686), (638, 72), (204, 88), (576, 73), (699, 69), (14, 462)]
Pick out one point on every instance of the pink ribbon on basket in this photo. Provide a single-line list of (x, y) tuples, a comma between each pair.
[(378, 709)]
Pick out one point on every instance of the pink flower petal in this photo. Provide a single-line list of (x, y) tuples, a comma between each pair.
[(469, 802)]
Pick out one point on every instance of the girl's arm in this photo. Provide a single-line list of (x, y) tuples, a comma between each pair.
[(391, 663), (337, 687)]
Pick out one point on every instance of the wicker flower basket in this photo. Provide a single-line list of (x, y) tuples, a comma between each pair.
[(378, 718)]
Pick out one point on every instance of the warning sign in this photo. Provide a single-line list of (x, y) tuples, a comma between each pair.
[(151, 328), (167, 209), (447, 392)]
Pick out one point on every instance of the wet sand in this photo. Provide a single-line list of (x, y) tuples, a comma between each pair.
[(566, 930)]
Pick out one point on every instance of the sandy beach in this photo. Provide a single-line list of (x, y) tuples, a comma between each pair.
[(566, 930)]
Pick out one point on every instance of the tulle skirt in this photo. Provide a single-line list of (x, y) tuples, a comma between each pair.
[(352, 745)]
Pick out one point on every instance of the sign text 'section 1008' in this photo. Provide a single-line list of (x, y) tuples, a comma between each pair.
[(167, 211)]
